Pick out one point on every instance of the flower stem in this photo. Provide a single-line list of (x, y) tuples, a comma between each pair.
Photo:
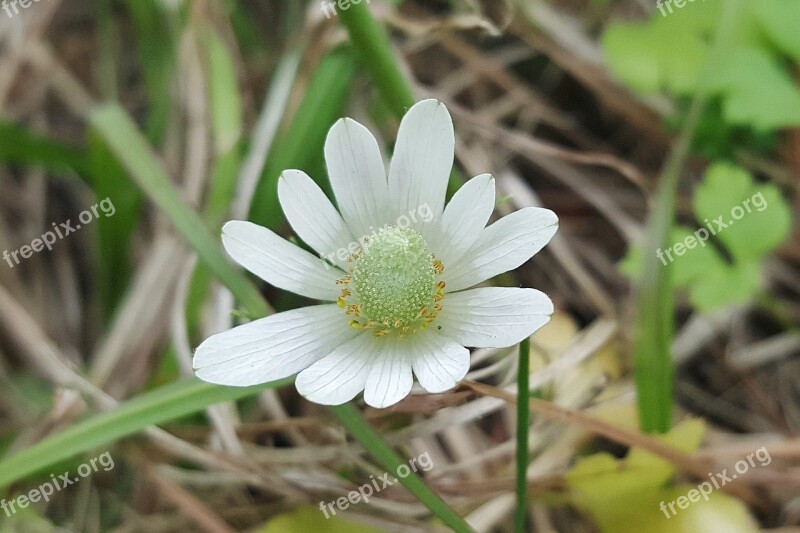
[(389, 460), (523, 423), (372, 45)]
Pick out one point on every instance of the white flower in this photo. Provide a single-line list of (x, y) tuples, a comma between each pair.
[(399, 266)]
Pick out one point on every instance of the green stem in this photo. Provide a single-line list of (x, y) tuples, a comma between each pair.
[(523, 423), (655, 301), (372, 46), (388, 459)]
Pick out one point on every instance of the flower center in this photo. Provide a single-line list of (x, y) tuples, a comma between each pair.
[(392, 286)]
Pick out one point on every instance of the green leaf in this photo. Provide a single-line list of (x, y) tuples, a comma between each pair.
[(148, 409), (764, 219), (626, 495), (226, 106), (695, 262), (726, 285), (655, 57), (601, 478), (668, 52), (20, 145), (133, 152), (303, 142), (156, 46), (109, 180), (641, 511), (757, 90), (757, 220), (779, 20)]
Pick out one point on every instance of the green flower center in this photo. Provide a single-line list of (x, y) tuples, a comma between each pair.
[(393, 285)]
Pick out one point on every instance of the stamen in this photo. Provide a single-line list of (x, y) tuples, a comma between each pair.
[(392, 284)]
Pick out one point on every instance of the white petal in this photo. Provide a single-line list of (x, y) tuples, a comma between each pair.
[(357, 175), (464, 217), (313, 217), (271, 348), (339, 376), (423, 158), (503, 246), (493, 317), (280, 262), (439, 363), (389, 379)]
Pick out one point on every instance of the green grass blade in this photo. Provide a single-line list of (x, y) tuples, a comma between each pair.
[(136, 156), (21, 146), (110, 180), (156, 45), (389, 460), (655, 300), (226, 105), (302, 145), (523, 423), (148, 409)]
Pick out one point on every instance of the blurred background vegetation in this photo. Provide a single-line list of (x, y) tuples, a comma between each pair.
[(636, 123)]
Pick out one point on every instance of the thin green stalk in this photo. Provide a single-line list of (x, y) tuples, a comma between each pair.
[(372, 46), (388, 459), (655, 302), (523, 423)]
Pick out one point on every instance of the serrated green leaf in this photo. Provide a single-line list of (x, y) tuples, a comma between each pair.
[(728, 285), (699, 258), (729, 192), (627, 495), (693, 264), (757, 90), (655, 66), (668, 52)]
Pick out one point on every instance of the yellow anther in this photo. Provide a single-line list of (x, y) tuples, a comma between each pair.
[(340, 302), (355, 324)]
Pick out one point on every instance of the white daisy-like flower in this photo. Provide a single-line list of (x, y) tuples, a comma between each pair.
[(397, 273)]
